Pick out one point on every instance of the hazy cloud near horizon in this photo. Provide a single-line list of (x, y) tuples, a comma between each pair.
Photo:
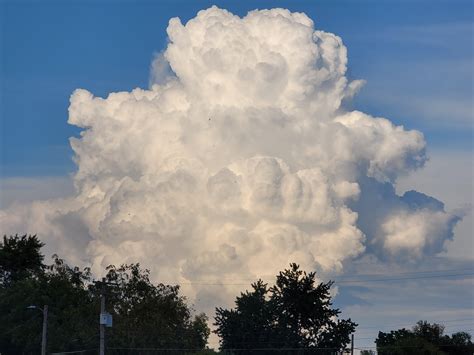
[(238, 160)]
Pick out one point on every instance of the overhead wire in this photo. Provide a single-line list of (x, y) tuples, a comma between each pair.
[(386, 278)]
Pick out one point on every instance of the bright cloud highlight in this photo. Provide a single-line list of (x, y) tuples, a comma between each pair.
[(237, 161)]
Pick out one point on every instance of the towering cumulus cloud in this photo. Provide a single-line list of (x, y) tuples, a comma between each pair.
[(239, 159)]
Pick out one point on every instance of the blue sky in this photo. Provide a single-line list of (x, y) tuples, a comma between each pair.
[(416, 57)]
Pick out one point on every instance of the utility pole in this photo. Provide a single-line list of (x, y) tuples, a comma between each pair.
[(44, 335), (352, 344), (105, 319), (45, 329), (102, 311)]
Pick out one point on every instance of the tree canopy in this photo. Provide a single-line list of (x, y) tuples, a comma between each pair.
[(294, 314), (148, 315), (424, 338), (145, 315), (20, 257)]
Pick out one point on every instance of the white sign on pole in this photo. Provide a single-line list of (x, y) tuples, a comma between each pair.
[(106, 319)]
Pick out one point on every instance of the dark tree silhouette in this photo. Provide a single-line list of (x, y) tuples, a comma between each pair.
[(424, 338), (293, 314), (148, 315), (145, 315), (20, 257)]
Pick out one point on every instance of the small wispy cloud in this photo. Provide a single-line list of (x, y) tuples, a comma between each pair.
[(26, 189), (437, 34), (443, 35)]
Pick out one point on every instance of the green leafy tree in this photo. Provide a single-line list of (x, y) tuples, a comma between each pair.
[(458, 343), (293, 314), (71, 310), (250, 325), (20, 257), (424, 338), (430, 332), (147, 315), (144, 314)]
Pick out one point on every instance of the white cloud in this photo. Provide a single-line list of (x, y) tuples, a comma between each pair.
[(449, 176), (239, 163), (434, 110), (411, 231)]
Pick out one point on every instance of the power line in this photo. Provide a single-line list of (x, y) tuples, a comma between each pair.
[(412, 272), (404, 278), (271, 278), (224, 349), (340, 281), (407, 346), (277, 348), (403, 324), (74, 352)]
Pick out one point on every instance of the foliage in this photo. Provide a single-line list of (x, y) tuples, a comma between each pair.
[(293, 314), (144, 314), (20, 257), (424, 338), (148, 315), (70, 310)]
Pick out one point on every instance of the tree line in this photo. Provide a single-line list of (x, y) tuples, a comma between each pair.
[(424, 338), (293, 316), (144, 314)]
